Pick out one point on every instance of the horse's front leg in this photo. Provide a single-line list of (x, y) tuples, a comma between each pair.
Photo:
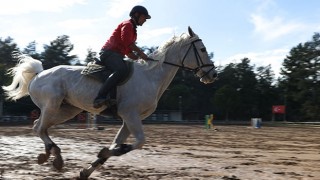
[(134, 125), (121, 136), (118, 147), (131, 126)]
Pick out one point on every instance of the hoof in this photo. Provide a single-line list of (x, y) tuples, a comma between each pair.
[(58, 162), (84, 174), (42, 158)]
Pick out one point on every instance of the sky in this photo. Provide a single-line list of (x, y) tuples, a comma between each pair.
[(262, 30)]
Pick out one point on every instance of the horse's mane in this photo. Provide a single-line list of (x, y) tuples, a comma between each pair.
[(175, 42)]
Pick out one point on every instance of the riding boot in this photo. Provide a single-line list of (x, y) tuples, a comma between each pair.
[(103, 97)]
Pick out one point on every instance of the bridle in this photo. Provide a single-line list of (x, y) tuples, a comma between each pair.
[(198, 58)]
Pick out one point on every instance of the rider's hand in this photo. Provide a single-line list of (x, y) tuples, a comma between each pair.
[(143, 56), (132, 56)]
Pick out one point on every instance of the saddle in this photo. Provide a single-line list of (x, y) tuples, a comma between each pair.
[(101, 73)]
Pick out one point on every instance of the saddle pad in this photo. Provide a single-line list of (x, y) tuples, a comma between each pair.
[(101, 73), (95, 71), (92, 68)]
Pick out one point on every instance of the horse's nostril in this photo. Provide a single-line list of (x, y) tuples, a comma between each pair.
[(215, 75)]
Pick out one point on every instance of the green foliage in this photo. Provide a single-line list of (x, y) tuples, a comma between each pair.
[(267, 93), (225, 98), (237, 95), (301, 75), (31, 50), (8, 50), (58, 52), (7, 60), (91, 56)]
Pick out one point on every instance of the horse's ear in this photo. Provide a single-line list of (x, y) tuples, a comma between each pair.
[(191, 33)]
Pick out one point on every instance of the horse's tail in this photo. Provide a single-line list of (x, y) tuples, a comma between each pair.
[(22, 74)]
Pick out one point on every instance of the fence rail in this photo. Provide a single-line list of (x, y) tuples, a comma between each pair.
[(24, 120)]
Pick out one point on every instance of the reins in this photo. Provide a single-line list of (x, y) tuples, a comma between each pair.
[(172, 64)]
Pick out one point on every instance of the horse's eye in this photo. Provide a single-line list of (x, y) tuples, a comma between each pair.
[(203, 49)]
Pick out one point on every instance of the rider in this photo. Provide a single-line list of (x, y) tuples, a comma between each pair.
[(122, 42)]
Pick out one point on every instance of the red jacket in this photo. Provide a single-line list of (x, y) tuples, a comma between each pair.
[(122, 37)]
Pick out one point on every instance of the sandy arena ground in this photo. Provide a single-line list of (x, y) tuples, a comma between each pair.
[(172, 152)]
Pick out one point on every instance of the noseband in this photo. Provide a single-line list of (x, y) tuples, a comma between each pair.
[(198, 58)]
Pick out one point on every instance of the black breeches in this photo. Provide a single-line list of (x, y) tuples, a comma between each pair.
[(114, 62)]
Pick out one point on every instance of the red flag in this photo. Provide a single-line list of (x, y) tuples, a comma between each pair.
[(278, 109)]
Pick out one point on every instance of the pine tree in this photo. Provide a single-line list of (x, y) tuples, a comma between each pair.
[(91, 56), (300, 72), (57, 53), (31, 49)]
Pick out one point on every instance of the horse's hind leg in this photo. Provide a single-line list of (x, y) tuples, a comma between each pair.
[(50, 146), (46, 120)]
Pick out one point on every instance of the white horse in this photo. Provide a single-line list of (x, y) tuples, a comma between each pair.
[(62, 92)]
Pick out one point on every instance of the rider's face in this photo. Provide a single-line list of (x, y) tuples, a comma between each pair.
[(142, 19)]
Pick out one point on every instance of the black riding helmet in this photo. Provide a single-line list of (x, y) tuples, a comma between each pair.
[(141, 10)]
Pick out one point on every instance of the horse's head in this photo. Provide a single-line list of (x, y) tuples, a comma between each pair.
[(196, 58)]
